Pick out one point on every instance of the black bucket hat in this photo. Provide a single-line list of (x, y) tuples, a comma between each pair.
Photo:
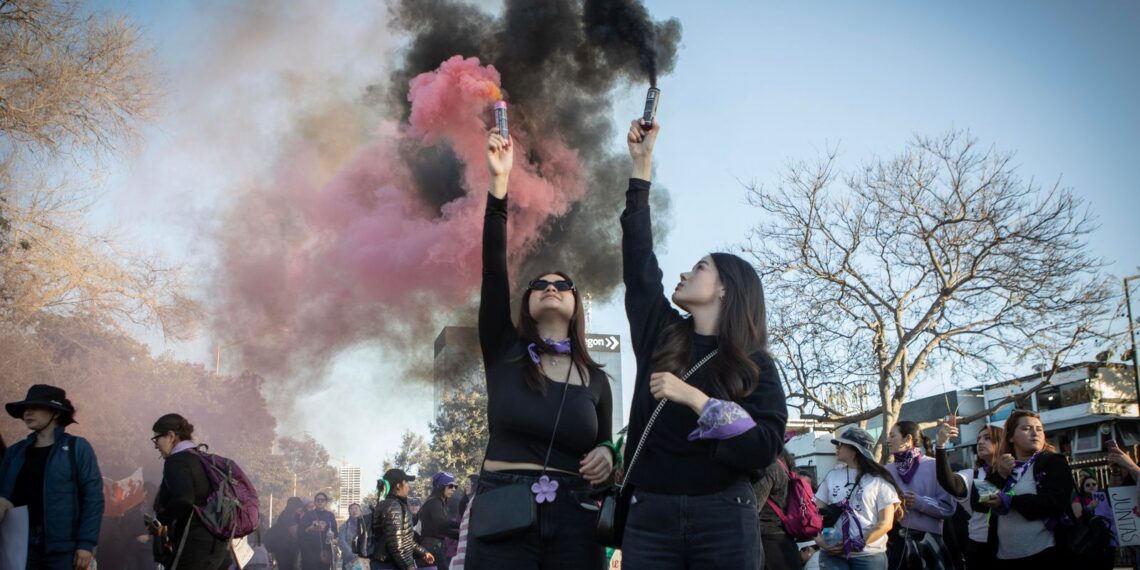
[(44, 396)]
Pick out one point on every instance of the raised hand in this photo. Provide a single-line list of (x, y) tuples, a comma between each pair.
[(641, 144), (945, 433), (500, 159)]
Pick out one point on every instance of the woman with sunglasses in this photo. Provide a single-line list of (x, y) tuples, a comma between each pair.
[(184, 486), (548, 407), (692, 504)]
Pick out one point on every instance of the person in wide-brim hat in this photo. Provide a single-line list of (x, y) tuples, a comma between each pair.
[(858, 438), (47, 397)]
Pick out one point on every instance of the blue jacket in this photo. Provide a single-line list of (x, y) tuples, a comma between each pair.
[(71, 515)]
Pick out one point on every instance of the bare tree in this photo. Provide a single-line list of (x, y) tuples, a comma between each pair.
[(69, 79), (73, 87), (942, 257)]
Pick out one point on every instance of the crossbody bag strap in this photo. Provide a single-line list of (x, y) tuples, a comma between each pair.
[(558, 416), (653, 418)]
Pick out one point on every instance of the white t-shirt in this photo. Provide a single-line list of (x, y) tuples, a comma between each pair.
[(979, 527), (873, 495), (1019, 537)]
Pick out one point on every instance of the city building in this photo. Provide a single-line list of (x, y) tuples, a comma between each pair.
[(349, 489)]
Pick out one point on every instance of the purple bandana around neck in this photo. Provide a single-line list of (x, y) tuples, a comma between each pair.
[(906, 462), (558, 346)]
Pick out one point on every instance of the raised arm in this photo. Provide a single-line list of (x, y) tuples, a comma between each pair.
[(496, 333), (947, 478), (646, 306)]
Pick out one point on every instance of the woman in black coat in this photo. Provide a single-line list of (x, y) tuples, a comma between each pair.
[(184, 485)]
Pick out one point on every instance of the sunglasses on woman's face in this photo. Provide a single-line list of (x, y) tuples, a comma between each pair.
[(560, 285)]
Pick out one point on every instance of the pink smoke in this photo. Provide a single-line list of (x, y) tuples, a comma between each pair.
[(365, 239)]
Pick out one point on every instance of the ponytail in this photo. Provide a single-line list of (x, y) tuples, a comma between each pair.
[(383, 488)]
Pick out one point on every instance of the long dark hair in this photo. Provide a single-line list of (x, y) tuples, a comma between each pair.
[(868, 467), (997, 435), (742, 331), (907, 427), (528, 332)]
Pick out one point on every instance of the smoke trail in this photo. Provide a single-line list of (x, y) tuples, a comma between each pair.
[(380, 242)]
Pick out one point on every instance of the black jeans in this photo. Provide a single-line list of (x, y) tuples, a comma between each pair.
[(929, 551), (718, 530), (563, 538), (780, 551), (438, 549)]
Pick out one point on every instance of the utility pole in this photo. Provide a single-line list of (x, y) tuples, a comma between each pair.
[(1132, 336)]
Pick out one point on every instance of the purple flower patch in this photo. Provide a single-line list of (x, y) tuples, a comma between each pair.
[(544, 490)]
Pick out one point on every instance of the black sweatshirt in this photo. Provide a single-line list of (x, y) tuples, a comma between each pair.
[(519, 419), (670, 463), (434, 522)]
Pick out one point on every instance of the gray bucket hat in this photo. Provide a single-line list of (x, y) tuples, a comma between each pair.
[(859, 439)]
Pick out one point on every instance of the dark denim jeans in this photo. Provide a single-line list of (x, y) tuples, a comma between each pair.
[(718, 530), (40, 559), (563, 538)]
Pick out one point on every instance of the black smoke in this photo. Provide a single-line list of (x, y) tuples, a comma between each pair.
[(560, 62)]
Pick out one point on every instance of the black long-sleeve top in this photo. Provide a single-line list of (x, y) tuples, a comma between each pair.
[(520, 420), (434, 520), (1054, 489), (947, 478), (670, 463), (184, 485)]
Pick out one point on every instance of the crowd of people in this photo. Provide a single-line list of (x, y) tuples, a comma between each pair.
[(704, 482)]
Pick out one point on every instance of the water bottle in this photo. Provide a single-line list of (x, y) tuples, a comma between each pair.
[(831, 536)]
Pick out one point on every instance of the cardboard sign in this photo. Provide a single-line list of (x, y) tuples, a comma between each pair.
[(1123, 500)]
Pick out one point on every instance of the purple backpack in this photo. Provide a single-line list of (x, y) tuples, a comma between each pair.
[(231, 508)]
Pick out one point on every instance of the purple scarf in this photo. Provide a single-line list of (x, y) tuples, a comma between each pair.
[(851, 543), (1020, 468), (906, 463), (559, 347)]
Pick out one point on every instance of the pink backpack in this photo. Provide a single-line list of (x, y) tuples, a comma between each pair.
[(800, 518)]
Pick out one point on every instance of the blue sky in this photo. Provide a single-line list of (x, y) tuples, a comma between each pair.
[(759, 83)]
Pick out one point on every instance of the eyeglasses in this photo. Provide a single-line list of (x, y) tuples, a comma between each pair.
[(453, 486), (561, 285), (155, 439)]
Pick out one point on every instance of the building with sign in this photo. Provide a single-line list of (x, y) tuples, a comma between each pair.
[(458, 365)]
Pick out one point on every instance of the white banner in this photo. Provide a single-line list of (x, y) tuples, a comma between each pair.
[(14, 539), (1123, 501)]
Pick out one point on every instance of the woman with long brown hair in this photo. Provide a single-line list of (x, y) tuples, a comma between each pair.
[(692, 503), (979, 550), (548, 411), (1034, 486)]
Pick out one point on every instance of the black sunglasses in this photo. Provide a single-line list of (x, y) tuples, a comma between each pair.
[(561, 285)]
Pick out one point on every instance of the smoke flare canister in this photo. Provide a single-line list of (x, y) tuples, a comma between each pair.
[(501, 120), (651, 99)]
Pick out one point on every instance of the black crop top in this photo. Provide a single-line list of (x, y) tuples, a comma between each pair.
[(520, 419)]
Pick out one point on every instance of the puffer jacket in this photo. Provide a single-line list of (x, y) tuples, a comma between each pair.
[(73, 499), (392, 527)]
